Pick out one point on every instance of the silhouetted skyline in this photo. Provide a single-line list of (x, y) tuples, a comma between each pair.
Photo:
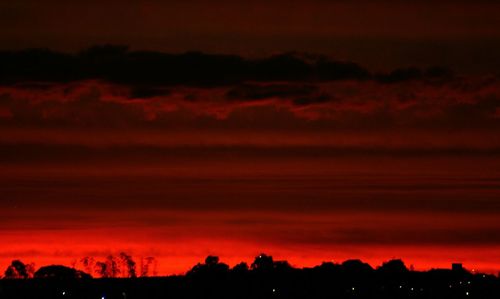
[(265, 277)]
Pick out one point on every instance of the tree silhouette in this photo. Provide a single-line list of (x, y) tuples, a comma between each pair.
[(240, 268), (211, 260), (212, 279), (88, 264), (112, 266), (30, 269), (109, 268), (212, 266), (393, 267), (61, 272), (129, 265), (282, 266), (102, 269), (18, 270), (356, 268), (146, 264), (263, 262)]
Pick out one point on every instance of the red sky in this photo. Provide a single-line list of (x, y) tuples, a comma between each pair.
[(407, 170), (430, 210), (303, 171)]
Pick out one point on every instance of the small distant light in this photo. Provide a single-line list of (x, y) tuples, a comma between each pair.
[(353, 289), (411, 289), (103, 297), (460, 282), (468, 282), (450, 286), (274, 290), (63, 293), (466, 293), (400, 287), (484, 276)]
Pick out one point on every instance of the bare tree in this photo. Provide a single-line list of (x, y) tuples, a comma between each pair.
[(101, 268), (129, 264), (88, 264), (112, 266), (30, 269), (146, 264)]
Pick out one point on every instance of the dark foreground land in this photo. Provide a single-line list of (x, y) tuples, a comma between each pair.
[(351, 279)]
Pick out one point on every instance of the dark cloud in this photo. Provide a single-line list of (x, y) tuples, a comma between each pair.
[(145, 92), (117, 64), (413, 73), (291, 76)]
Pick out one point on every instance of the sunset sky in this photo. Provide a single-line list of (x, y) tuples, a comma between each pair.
[(235, 155)]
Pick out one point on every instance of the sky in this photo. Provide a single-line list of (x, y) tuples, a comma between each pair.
[(304, 155), (380, 34)]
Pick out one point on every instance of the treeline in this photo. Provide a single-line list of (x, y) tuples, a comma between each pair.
[(121, 266), (264, 278)]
